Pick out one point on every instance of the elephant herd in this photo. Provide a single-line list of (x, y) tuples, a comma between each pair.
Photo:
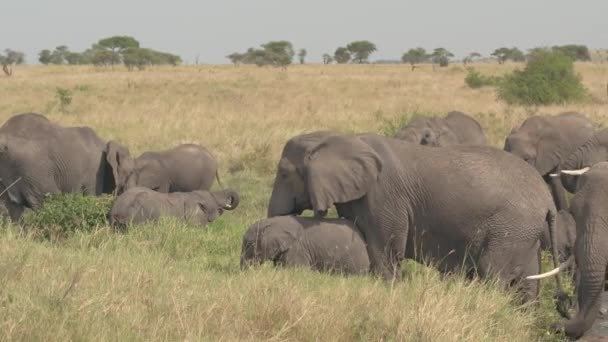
[(39, 157), (435, 193)]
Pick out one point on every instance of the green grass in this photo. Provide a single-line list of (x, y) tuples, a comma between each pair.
[(170, 281)]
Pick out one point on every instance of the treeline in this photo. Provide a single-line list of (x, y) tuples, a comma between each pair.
[(109, 52)]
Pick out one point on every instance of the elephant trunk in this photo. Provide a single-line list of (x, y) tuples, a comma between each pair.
[(589, 291), (227, 199), (281, 202)]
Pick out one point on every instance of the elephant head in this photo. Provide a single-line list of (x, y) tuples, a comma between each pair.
[(338, 169), (595, 150), (129, 173), (427, 131), (268, 240), (123, 166), (289, 177)]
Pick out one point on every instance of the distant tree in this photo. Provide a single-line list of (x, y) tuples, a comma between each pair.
[(342, 55), (302, 55), (9, 59), (279, 53), (415, 56), (361, 50), (258, 57), (58, 56), (236, 58), (327, 58), (74, 58), (115, 45), (100, 57), (44, 56), (141, 58), (441, 56), (471, 58), (503, 54), (576, 52)]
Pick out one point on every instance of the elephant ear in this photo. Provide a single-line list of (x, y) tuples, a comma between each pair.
[(340, 169), (547, 157), (120, 161)]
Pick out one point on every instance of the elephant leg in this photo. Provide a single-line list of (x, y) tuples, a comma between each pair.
[(589, 292), (529, 290)]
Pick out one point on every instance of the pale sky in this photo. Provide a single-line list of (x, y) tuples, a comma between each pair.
[(214, 29)]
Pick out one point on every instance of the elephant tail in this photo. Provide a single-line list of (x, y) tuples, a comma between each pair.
[(560, 295), (217, 176)]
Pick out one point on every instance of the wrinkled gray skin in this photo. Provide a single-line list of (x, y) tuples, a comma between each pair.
[(565, 235), (327, 245), (546, 141), (184, 168), (591, 248), (593, 151), (454, 206), (41, 157), (140, 205), (456, 128)]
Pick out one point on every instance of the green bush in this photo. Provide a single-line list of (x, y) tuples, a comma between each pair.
[(475, 80), (548, 78), (64, 214)]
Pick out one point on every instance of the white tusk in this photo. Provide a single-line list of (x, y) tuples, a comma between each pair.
[(554, 175), (229, 206), (553, 272), (575, 172)]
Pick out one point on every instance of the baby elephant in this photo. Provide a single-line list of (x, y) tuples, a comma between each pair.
[(139, 205), (331, 245)]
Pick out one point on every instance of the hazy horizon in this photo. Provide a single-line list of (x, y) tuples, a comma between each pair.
[(212, 30)]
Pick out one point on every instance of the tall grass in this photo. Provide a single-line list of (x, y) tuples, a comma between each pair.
[(169, 281)]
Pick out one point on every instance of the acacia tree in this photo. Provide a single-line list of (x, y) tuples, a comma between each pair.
[(327, 58), (115, 45), (302, 55), (9, 59), (470, 58), (504, 53), (342, 55), (361, 50), (441, 56), (279, 53), (44, 56), (415, 56), (236, 58)]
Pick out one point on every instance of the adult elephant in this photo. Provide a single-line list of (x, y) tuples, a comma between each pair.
[(38, 157), (187, 167), (457, 128), (454, 206), (546, 141), (593, 151), (591, 247)]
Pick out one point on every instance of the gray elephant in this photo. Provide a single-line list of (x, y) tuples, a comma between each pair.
[(545, 141), (456, 128), (184, 168), (38, 157), (591, 248), (453, 206), (593, 151), (141, 205), (328, 245)]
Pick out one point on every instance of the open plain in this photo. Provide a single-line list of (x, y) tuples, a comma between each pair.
[(173, 282)]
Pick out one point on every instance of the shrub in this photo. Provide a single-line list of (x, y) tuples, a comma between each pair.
[(474, 79), (548, 78), (64, 214)]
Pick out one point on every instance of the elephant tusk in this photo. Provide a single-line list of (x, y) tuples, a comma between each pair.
[(553, 272), (229, 206), (575, 172), (554, 175)]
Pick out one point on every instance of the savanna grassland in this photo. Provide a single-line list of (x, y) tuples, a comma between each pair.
[(173, 282)]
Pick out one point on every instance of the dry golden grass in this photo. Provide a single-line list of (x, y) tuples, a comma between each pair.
[(245, 114), (170, 282)]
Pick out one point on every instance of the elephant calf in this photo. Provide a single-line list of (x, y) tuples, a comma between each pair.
[(331, 245), (140, 205)]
